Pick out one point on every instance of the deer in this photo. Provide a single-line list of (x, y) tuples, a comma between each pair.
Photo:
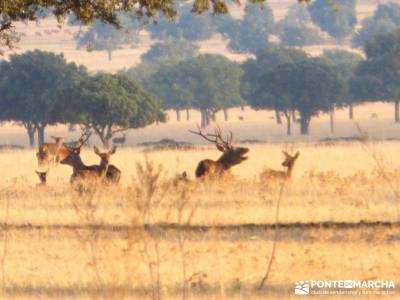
[(53, 153), (49, 152), (230, 157), (288, 163), (102, 172)]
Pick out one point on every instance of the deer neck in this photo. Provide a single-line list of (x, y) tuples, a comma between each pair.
[(223, 162), (289, 171), (103, 167), (78, 164)]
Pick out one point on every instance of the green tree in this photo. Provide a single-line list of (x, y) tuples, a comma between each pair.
[(346, 63), (189, 26), (105, 37), (160, 56), (308, 86), (297, 29), (383, 64), (31, 88), (338, 17), (208, 83), (386, 18), (252, 32), (266, 60), (109, 104), (87, 11), (171, 50)]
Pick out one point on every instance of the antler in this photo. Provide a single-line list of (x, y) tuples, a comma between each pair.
[(86, 133), (218, 139)]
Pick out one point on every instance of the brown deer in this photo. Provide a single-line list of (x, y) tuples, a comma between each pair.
[(231, 155), (105, 171), (52, 153), (48, 153), (288, 163)]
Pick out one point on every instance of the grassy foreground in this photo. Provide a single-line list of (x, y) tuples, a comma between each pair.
[(154, 237)]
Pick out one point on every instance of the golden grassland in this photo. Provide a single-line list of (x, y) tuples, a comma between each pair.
[(115, 242)]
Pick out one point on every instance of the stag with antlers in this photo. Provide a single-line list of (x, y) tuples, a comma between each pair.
[(103, 171), (230, 157)]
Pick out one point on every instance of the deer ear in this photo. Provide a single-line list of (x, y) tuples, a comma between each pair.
[(285, 153), (113, 150), (297, 154), (220, 148), (96, 150)]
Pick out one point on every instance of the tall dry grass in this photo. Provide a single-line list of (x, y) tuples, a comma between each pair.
[(157, 237)]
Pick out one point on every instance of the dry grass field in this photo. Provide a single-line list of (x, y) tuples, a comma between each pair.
[(154, 237)]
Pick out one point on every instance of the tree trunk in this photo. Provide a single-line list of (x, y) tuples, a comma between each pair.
[(242, 108), (278, 117), (31, 135), (109, 52), (40, 132), (293, 112), (288, 123), (304, 124), (203, 113), (31, 130), (226, 117), (178, 115), (187, 114), (212, 116), (351, 112), (396, 111), (332, 120)]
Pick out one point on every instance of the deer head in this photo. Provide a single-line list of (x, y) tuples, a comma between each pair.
[(105, 156), (73, 156), (231, 155), (289, 159)]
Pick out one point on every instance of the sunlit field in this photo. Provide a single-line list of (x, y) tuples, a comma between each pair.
[(156, 236)]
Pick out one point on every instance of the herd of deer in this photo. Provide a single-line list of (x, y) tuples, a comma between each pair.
[(69, 154)]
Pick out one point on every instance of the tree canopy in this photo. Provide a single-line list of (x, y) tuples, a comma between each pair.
[(186, 25), (105, 37), (252, 32), (382, 67), (309, 86), (386, 18), (31, 88), (109, 104), (346, 64), (207, 82), (266, 60), (338, 18), (171, 50), (297, 28)]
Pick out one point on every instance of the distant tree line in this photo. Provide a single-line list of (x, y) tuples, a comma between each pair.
[(303, 24), (40, 88), (285, 80)]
